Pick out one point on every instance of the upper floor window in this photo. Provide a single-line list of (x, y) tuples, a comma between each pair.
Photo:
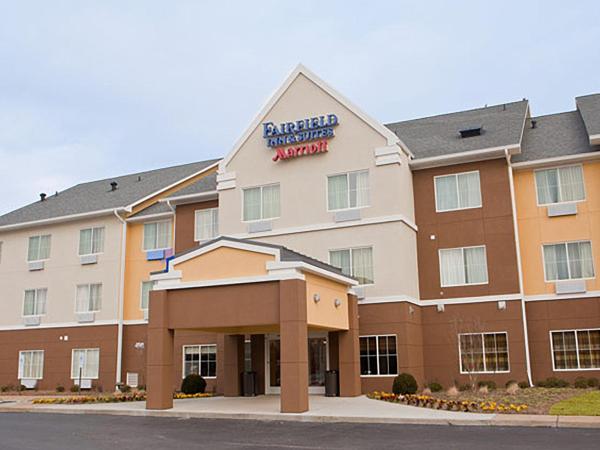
[(85, 363), (378, 355), (147, 286), (89, 298), (576, 349), (34, 303), (91, 241), (207, 224), (483, 352), (562, 184), (568, 261), (31, 364), (261, 202), (463, 266), (39, 248), (200, 359), (354, 262), (457, 191), (348, 190), (157, 235)]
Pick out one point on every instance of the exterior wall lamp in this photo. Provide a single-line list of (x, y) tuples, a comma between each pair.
[(316, 298)]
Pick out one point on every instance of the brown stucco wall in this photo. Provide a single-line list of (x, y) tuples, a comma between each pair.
[(492, 225), (134, 360), (57, 353), (185, 223), (546, 316)]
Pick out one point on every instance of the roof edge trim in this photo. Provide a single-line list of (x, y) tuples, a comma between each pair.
[(464, 157), (556, 160), (59, 219)]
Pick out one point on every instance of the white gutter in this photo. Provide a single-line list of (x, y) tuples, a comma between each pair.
[(189, 198), (121, 301), (464, 157), (556, 160), (519, 268), (161, 215)]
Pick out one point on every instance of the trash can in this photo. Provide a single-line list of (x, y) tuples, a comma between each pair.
[(249, 384), (331, 383)]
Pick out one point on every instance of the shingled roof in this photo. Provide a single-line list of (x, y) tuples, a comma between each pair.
[(589, 107), (98, 196), (501, 126)]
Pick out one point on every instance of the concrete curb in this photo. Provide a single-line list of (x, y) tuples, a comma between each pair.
[(496, 420)]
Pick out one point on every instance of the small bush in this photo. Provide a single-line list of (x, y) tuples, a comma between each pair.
[(512, 389), (465, 387), (21, 388), (60, 388), (509, 382), (452, 392), (491, 385), (141, 387), (74, 388), (523, 384), (404, 383), (553, 382), (593, 382), (4, 388), (581, 383), (124, 388), (435, 387), (193, 384)]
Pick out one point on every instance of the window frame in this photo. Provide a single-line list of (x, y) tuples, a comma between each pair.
[(351, 249), (573, 330), (261, 186), (144, 235), (347, 174), (455, 175), (23, 315), (19, 369), (482, 334), (73, 360), (142, 293), (487, 272), (213, 210), (49, 248), (93, 228), (546, 280), (89, 285), (183, 347), (377, 336), (537, 198)]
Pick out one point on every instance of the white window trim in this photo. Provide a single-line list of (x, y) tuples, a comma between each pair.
[(200, 350), (347, 174), (579, 369), (72, 359), (482, 334), (92, 228), (350, 249), (261, 202), (546, 280), (88, 285), (196, 239), (537, 199), (142, 293), (144, 236), (377, 336), (20, 375), (456, 178), (487, 274), (37, 260), (36, 294)]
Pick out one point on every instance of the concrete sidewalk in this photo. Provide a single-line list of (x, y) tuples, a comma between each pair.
[(322, 409)]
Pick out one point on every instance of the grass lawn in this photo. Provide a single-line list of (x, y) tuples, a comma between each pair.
[(582, 405)]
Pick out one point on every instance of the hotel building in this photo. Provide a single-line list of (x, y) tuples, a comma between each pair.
[(456, 247)]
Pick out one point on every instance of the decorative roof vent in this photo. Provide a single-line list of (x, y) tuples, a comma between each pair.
[(114, 185), (42, 197), (533, 123), (471, 131)]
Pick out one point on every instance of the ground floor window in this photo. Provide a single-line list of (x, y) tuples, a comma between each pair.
[(483, 352), (378, 355), (31, 364), (86, 359), (576, 349), (200, 359)]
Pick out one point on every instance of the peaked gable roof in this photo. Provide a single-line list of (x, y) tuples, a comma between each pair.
[(589, 107)]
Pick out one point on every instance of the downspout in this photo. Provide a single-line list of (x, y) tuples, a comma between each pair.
[(121, 303), (519, 266)]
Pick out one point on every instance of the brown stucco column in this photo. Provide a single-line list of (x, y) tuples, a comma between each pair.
[(294, 346), (159, 369), (349, 353), (233, 362), (257, 347)]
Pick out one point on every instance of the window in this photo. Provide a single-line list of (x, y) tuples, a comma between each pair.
[(563, 184), (157, 235), (91, 241), (89, 298), (378, 355), (354, 262), (348, 190), (576, 349), (463, 266), (568, 261), (207, 224), (200, 359), (483, 352), (39, 248), (458, 191), (31, 365), (261, 202), (86, 359), (34, 303), (147, 286)]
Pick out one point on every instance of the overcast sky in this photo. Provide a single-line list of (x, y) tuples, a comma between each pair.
[(90, 90)]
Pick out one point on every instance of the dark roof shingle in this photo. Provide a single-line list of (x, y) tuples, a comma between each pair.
[(589, 107)]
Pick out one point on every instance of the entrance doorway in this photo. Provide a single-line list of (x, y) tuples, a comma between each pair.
[(318, 363)]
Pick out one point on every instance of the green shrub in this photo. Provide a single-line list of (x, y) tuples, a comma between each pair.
[(74, 388), (523, 384), (4, 388), (60, 388), (553, 382), (124, 388), (21, 388), (491, 385), (435, 387), (593, 382), (581, 383), (141, 387), (509, 382), (465, 387), (193, 384), (404, 383)]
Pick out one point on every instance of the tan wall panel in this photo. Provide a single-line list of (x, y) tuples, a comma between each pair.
[(324, 313)]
